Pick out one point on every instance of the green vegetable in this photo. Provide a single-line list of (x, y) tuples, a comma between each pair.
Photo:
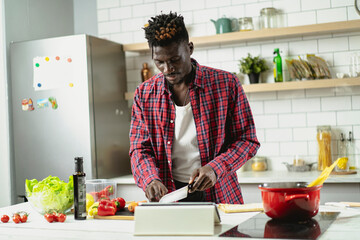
[(50, 194)]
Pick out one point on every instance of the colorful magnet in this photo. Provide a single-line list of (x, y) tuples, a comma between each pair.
[(71, 84), (39, 84), (42, 103), (24, 104), (53, 102), (47, 59), (69, 60), (57, 58), (30, 105), (37, 65)]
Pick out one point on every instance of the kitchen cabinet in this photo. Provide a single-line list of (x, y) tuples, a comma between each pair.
[(267, 34)]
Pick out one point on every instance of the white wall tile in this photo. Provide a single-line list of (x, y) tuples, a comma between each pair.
[(356, 132), (242, 52), (306, 105), (301, 18), (352, 13), (257, 107), (269, 149), (277, 106), (130, 2), (260, 134), (107, 3), (341, 3), (332, 15), (303, 47), (216, 3), (262, 96), (266, 121), (348, 117), (313, 148), (333, 44), (284, 5), (204, 16), (225, 54), (293, 148), (354, 43), (292, 120), (304, 134), (335, 103), (109, 27), (351, 90), (319, 92), (355, 102), (191, 5), (123, 38), (167, 6), (103, 15), (278, 135), (133, 24), (322, 118), (267, 50), (291, 94), (307, 5), (120, 13), (253, 9), (143, 10), (236, 11)]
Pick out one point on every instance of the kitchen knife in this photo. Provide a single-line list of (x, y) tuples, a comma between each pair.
[(177, 195)]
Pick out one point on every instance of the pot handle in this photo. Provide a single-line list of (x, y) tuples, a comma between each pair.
[(296, 196)]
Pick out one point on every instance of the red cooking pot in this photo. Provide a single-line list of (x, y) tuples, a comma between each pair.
[(290, 200)]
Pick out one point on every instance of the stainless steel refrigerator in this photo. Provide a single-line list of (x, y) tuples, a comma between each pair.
[(68, 100)]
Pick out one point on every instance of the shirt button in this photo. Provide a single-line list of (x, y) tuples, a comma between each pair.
[(168, 142), (171, 121)]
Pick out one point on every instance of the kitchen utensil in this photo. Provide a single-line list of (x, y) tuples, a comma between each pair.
[(290, 200), (222, 25), (236, 208), (304, 168), (177, 195), (324, 175)]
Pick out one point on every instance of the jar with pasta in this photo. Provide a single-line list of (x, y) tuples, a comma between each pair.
[(324, 147)]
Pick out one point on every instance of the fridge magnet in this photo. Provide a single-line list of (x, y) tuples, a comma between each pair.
[(24, 104), (53, 102), (30, 105), (49, 74), (42, 103)]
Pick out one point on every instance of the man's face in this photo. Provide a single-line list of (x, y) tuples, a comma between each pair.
[(174, 61)]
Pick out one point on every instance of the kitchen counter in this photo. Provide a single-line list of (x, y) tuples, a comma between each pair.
[(347, 224), (273, 176)]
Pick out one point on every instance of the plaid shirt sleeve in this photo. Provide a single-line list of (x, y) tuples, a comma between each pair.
[(143, 163)]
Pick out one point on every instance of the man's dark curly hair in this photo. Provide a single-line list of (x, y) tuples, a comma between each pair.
[(164, 29)]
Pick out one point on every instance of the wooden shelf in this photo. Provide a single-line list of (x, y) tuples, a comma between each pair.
[(296, 85), (263, 34)]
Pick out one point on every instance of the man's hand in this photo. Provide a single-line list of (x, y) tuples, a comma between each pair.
[(155, 190), (206, 178)]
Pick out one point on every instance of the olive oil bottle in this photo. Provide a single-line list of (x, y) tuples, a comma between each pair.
[(79, 190)]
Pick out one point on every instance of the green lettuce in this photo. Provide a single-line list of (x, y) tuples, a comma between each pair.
[(50, 194)]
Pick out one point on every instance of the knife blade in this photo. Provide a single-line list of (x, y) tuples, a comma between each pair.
[(177, 195)]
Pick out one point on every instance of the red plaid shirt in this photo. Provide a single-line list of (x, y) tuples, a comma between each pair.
[(224, 125)]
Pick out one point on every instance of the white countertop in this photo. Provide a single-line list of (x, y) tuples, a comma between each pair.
[(347, 224), (250, 177)]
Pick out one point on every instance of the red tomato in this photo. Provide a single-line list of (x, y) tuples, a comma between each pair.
[(16, 218), (5, 218), (61, 217), (49, 217), (24, 218)]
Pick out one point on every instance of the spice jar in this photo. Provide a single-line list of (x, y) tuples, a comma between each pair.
[(324, 147), (268, 18), (259, 164), (245, 24)]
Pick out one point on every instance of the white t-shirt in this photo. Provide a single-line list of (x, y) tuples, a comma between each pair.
[(185, 149)]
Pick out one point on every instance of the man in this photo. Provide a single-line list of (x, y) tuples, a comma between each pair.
[(190, 123)]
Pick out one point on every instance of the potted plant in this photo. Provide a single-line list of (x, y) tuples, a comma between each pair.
[(253, 66)]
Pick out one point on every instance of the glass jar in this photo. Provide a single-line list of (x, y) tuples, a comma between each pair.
[(245, 24), (259, 164), (268, 18), (323, 137)]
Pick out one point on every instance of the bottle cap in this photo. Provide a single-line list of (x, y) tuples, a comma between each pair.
[(79, 164)]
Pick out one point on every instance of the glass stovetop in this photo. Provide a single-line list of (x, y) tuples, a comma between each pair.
[(261, 226)]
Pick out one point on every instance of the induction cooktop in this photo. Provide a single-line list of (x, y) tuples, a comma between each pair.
[(261, 226)]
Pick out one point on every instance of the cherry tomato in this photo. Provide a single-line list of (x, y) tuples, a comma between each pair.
[(24, 217), (5, 218), (16, 218), (49, 217), (61, 217)]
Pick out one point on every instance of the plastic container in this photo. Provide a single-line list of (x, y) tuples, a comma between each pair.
[(101, 188), (323, 137)]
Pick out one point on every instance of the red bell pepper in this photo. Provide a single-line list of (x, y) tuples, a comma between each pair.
[(103, 194), (120, 203), (106, 208)]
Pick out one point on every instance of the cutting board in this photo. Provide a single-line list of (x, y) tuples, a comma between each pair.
[(343, 173), (237, 208), (123, 214)]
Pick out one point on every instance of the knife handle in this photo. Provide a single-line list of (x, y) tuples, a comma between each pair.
[(190, 186)]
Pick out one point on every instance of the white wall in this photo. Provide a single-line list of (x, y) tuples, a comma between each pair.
[(286, 121), (5, 186)]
